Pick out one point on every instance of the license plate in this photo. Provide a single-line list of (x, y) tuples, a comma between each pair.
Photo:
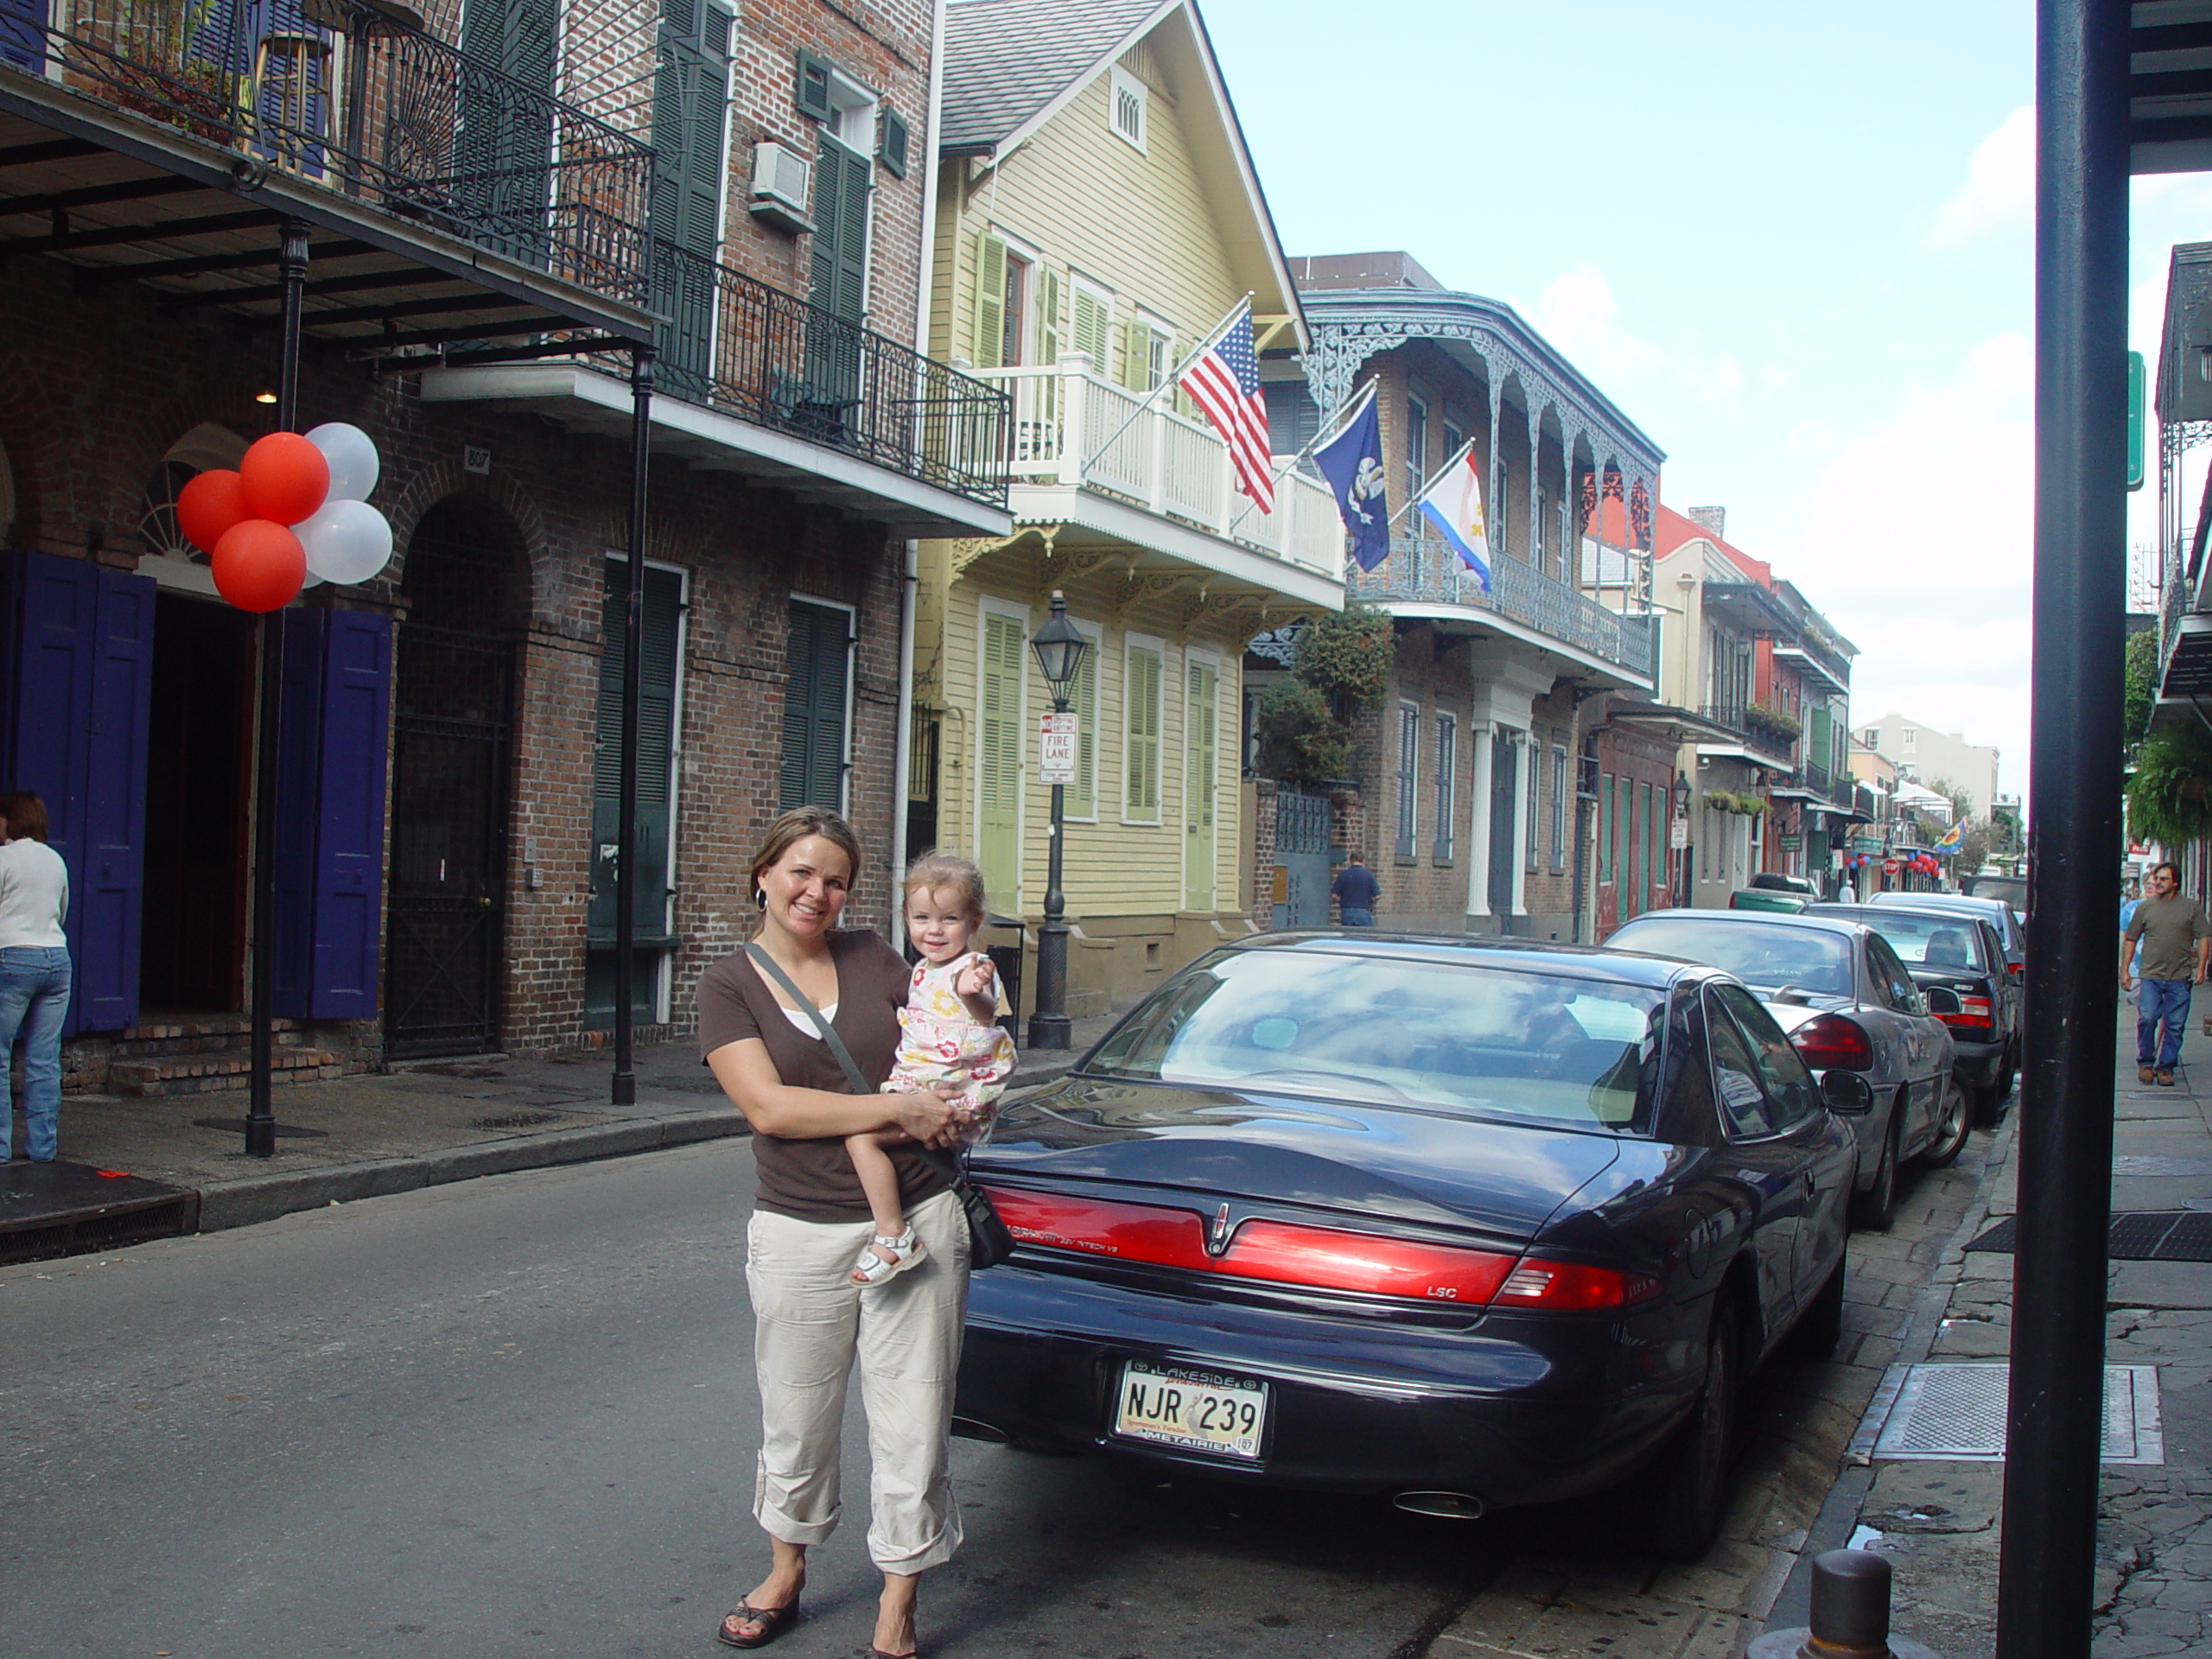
[(1197, 1411)]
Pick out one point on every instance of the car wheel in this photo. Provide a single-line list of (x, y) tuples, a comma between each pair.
[(1820, 1329), (1874, 1210), (1684, 1493), (1951, 1128)]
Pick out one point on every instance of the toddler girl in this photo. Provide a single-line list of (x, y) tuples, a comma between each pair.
[(951, 1041)]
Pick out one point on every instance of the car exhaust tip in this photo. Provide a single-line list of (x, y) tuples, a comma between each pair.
[(969, 1429), (1453, 1506)]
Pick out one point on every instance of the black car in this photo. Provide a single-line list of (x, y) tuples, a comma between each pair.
[(1463, 1224), (1948, 950)]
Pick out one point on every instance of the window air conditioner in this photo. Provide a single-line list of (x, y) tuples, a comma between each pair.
[(779, 180)]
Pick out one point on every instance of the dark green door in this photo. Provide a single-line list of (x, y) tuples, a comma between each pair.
[(819, 652), (656, 776)]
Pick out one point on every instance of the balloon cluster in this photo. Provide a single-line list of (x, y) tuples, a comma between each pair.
[(294, 514)]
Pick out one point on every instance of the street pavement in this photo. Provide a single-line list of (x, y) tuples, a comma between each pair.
[(1939, 1520), (515, 1415)]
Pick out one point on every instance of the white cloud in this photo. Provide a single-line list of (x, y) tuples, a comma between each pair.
[(1999, 192), (1577, 314)]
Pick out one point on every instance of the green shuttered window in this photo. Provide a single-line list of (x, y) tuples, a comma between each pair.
[(999, 734), (1141, 738), (818, 655), (663, 605)]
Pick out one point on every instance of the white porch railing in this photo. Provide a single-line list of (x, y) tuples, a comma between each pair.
[(1074, 428)]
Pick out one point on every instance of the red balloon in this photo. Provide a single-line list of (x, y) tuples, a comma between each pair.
[(259, 566), (208, 506), (284, 478)]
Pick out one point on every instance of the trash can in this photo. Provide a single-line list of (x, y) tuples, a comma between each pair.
[(1009, 939)]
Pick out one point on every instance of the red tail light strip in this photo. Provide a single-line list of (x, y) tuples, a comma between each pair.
[(1974, 1011), (1833, 1040), (1319, 1257)]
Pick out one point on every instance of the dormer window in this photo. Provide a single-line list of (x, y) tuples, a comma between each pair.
[(1126, 97)]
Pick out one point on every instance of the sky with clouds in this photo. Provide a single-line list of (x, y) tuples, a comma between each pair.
[(1793, 243)]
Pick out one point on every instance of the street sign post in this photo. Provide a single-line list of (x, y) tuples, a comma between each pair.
[(2135, 420), (1056, 744), (1678, 834)]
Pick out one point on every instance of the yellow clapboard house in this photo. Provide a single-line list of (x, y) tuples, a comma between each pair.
[(1097, 216)]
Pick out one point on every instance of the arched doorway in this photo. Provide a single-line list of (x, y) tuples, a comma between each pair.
[(468, 587), (198, 765)]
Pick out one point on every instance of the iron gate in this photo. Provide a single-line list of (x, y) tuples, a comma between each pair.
[(1302, 853), (449, 864)]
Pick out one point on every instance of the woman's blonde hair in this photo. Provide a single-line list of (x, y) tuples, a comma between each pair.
[(939, 871), (796, 826)]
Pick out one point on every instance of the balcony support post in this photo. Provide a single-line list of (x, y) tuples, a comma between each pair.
[(633, 651), (2055, 1414), (1074, 440)]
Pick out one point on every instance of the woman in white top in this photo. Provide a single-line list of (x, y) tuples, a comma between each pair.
[(34, 969)]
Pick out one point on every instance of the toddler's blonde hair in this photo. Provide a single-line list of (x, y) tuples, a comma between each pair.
[(935, 872)]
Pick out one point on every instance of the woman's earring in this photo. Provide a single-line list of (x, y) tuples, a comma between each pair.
[(760, 899)]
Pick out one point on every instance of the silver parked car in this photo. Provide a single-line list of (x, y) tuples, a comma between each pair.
[(1884, 1060)]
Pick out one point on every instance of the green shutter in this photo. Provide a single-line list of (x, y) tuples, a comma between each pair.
[(655, 751), (998, 829), (503, 144), (690, 102), (816, 657), (810, 91), (990, 299), (1048, 319), (891, 144), (1137, 356), (1201, 703), (839, 268), (1082, 800), (1093, 325), (1141, 792)]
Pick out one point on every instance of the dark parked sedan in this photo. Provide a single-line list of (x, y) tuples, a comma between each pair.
[(1466, 1225)]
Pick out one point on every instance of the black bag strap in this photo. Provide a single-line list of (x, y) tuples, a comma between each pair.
[(943, 1164)]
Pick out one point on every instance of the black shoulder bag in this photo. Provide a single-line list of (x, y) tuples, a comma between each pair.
[(989, 1242)]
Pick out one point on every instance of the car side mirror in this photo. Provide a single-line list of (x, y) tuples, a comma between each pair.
[(1941, 1001), (1845, 1092)]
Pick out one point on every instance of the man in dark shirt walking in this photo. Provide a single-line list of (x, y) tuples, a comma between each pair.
[(1356, 890), (2176, 939)]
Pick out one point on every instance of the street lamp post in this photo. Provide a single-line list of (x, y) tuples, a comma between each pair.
[(1683, 812), (1059, 647)]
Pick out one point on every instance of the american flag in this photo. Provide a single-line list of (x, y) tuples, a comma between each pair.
[(1225, 382)]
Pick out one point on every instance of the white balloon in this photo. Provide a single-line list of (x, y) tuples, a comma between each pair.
[(346, 542), (310, 580), (352, 457)]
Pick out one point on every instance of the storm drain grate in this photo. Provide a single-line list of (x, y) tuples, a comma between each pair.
[(1956, 1413), (2137, 1236)]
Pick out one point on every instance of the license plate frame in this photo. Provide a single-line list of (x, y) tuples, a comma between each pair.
[(1169, 1409)]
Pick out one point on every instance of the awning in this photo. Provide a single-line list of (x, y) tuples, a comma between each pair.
[(1673, 724), (1748, 606)]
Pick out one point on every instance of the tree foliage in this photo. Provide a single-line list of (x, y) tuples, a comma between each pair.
[(1341, 668), (2141, 687)]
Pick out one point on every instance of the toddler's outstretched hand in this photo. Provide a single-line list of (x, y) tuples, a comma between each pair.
[(977, 985)]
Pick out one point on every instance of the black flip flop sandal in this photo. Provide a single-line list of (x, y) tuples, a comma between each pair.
[(771, 1621)]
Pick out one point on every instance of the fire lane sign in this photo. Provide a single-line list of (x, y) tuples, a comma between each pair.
[(1056, 745)]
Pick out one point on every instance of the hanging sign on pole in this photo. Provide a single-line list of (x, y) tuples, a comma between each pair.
[(1056, 735)]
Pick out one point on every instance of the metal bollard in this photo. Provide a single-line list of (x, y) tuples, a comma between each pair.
[(1851, 1615)]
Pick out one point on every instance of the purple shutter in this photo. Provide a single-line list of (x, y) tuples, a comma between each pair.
[(111, 900), (78, 705), (23, 34), (330, 777)]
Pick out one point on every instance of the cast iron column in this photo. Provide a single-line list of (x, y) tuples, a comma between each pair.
[(2054, 1422), (260, 1114), (633, 649)]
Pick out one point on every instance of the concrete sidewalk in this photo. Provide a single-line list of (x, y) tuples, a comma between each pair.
[(423, 1125), (1939, 1520)]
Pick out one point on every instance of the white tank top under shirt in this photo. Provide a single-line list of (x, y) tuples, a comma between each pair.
[(34, 895), (803, 1022)]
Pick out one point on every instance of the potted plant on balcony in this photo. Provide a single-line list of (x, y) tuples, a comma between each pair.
[(1773, 722), (2169, 792)]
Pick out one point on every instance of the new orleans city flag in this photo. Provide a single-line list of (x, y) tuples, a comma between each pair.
[(1454, 505)]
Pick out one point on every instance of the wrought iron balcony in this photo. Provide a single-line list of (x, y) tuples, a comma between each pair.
[(356, 98), (1421, 569), (1814, 777), (1749, 721), (1074, 428), (735, 345)]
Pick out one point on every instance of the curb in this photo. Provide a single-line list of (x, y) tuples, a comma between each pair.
[(264, 1197)]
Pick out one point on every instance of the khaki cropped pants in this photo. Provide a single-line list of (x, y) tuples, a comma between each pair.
[(811, 1324)]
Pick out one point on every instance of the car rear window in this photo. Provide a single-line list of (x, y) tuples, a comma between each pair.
[(1932, 941), (1484, 1042), (1767, 956)]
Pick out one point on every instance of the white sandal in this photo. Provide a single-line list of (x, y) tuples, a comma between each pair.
[(905, 1250)]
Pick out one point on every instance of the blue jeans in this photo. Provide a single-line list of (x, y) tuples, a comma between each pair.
[(1354, 916), (34, 999), (2160, 1002)]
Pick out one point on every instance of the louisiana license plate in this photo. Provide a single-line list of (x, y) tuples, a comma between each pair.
[(1195, 1410)]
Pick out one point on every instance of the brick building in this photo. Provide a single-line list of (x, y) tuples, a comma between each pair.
[(499, 206), (1477, 782)]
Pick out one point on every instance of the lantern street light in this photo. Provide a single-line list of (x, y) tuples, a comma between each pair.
[(1059, 647)]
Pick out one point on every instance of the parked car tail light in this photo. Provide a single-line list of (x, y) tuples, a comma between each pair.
[(1975, 1014), (1571, 1287), (1283, 1253), (1832, 1040), (2018, 969)]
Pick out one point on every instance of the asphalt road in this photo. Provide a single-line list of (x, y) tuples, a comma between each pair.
[(516, 1416)]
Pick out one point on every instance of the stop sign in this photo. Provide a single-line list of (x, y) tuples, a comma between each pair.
[(1891, 867)]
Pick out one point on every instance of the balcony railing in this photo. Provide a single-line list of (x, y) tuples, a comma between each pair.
[(1073, 428), (735, 345), (347, 97), (1747, 721), (1814, 777), (1421, 569)]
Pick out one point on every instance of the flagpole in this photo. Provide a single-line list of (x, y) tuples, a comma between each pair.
[(1192, 356), (1346, 413), (1434, 479)]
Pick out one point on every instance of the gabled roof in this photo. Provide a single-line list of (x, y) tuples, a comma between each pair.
[(1007, 62)]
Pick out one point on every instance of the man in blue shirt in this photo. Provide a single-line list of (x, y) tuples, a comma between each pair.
[(1355, 891)]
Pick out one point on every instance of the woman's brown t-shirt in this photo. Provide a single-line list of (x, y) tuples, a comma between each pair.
[(814, 1180)]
